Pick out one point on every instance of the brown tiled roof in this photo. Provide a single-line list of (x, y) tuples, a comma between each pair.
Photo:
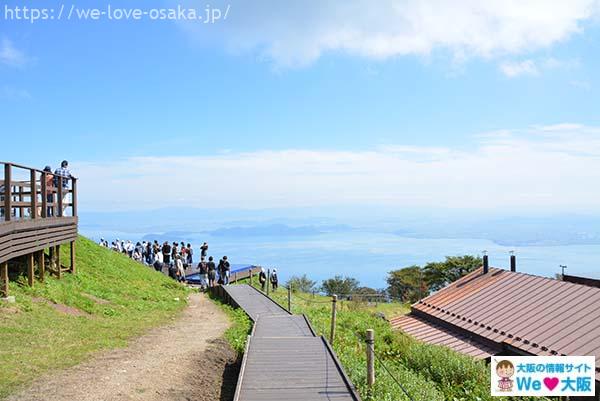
[(435, 334), (534, 314)]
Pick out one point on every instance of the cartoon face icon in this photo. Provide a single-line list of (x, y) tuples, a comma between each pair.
[(505, 369)]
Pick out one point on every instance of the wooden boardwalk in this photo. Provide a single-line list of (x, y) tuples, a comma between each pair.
[(284, 358)]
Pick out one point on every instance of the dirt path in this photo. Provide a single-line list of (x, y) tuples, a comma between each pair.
[(185, 360)]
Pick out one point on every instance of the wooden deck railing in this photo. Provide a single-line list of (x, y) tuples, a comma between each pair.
[(37, 213), (32, 195)]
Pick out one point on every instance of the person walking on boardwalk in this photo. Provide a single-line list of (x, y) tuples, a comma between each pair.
[(274, 280), (262, 278), (212, 272), (224, 270), (203, 272)]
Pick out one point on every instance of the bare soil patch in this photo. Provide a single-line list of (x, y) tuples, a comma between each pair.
[(186, 360)]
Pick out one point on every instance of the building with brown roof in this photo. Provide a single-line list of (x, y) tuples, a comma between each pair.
[(500, 312)]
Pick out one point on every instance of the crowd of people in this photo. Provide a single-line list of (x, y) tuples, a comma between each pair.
[(176, 257)]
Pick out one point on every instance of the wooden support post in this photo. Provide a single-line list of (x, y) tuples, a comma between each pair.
[(20, 201), (74, 197), (289, 297), (42, 264), (44, 210), (235, 277), (333, 318), (268, 283), (7, 192), (30, 271), (250, 277), (370, 358), (57, 258), (33, 195), (72, 251), (4, 279), (60, 197)]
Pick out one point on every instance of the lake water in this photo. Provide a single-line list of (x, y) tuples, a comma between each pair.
[(369, 256)]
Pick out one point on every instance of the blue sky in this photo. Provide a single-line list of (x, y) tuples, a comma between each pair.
[(314, 103)]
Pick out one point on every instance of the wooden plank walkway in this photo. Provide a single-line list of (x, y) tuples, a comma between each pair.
[(284, 359)]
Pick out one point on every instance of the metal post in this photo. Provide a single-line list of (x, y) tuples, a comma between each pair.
[(289, 298), (7, 192), (370, 358), (333, 318)]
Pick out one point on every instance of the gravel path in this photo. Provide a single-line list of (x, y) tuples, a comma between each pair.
[(186, 360)]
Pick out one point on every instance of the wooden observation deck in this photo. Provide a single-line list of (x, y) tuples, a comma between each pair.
[(38, 214)]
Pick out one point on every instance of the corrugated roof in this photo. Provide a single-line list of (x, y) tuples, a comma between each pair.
[(439, 335), (538, 315)]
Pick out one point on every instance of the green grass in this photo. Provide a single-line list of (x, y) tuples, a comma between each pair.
[(237, 334), (37, 338), (427, 372)]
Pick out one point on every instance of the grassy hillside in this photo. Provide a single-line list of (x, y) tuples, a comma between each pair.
[(59, 323), (427, 372)]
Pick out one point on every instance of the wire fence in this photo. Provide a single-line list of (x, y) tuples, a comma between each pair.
[(384, 366)]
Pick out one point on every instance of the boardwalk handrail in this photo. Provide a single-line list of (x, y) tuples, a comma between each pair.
[(31, 197)]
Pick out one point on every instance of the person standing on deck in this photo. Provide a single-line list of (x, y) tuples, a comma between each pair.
[(274, 280), (66, 175), (204, 250), (262, 278), (50, 189), (212, 272)]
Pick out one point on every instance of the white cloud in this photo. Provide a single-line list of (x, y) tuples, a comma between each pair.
[(548, 167), (294, 32), (10, 55), (514, 69)]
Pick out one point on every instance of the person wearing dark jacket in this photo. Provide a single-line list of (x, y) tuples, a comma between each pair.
[(262, 278), (224, 270), (212, 272), (274, 280)]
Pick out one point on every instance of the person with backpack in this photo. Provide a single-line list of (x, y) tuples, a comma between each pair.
[(262, 278), (224, 270), (212, 272), (179, 269), (274, 280), (203, 272)]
